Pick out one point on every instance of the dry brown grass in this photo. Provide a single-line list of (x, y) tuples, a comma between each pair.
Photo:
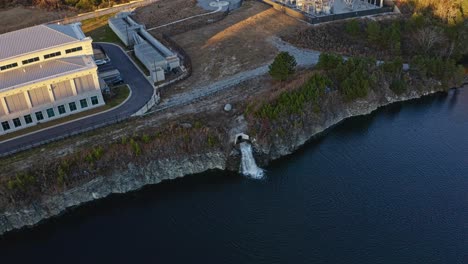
[(22, 17), (235, 44), (164, 12)]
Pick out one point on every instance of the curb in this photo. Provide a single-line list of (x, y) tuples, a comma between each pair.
[(74, 120)]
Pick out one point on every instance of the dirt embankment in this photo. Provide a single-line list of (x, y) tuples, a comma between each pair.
[(165, 12), (235, 44), (21, 17)]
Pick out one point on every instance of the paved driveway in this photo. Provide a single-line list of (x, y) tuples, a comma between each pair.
[(142, 91)]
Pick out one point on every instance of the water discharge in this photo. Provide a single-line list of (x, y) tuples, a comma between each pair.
[(249, 167)]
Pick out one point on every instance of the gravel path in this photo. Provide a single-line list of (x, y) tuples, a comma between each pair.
[(304, 58)]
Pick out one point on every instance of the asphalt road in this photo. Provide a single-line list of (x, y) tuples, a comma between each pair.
[(142, 91)]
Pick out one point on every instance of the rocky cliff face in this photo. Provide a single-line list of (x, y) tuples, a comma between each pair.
[(131, 179), (135, 177), (334, 114)]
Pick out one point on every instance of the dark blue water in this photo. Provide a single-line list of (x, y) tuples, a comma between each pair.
[(391, 187)]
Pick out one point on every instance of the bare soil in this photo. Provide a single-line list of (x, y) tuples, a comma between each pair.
[(238, 43), (21, 17), (164, 12)]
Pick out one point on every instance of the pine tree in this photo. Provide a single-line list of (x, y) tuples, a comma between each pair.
[(283, 66)]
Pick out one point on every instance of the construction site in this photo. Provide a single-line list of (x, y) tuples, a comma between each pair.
[(225, 38)]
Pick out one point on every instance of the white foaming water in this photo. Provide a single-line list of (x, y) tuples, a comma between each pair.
[(248, 165)]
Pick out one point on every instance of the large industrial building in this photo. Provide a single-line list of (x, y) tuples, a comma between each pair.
[(46, 72)]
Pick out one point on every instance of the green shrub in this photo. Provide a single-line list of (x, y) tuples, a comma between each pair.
[(186, 138), (354, 77), (135, 147), (212, 141), (393, 68), (328, 61), (145, 138), (89, 158), (398, 86), (22, 182), (294, 102), (98, 152), (95, 155), (352, 27), (444, 70), (283, 66), (62, 172), (197, 125), (158, 134), (373, 32), (354, 87), (391, 38)]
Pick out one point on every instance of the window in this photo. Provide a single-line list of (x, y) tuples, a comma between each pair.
[(9, 66), (61, 109), (6, 126), (83, 103), (72, 106), (51, 55), (30, 60), (94, 100), (39, 116), (73, 50), (28, 119), (50, 112), (17, 122)]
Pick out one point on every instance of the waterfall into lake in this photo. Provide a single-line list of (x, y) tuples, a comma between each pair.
[(248, 165)]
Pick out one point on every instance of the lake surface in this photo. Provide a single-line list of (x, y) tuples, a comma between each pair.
[(391, 187)]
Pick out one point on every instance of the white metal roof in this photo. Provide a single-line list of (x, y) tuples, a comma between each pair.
[(44, 70), (37, 38)]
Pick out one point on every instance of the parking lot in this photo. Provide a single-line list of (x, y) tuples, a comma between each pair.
[(106, 70)]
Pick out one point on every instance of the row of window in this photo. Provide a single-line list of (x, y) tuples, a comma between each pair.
[(47, 56), (51, 55), (30, 60), (49, 112), (8, 66), (73, 50)]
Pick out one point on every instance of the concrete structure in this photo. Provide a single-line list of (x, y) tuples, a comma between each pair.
[(328, 7), (46, 72), (321, 11), (224, 4), (156, 57)]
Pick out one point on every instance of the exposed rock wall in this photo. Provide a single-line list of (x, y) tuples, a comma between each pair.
[(281, 146), (135, 178), (132, 179)]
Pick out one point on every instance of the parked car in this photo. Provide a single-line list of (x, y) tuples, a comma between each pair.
[(101, 61), (114, 81)]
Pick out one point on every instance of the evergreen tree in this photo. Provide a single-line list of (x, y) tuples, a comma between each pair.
[(283, 66)]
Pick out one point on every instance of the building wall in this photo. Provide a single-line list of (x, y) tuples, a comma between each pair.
[(22, 104), (87, 49)]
